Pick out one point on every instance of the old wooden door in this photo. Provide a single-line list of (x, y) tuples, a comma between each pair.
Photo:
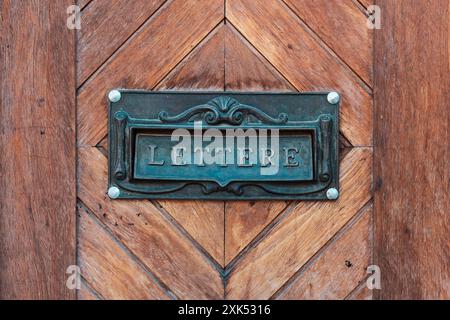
[(53, 119), (231, 250)]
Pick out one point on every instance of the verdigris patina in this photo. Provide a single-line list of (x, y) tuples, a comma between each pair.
[(223, 145)]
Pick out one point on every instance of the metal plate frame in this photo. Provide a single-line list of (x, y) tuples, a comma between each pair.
[(135, 111)]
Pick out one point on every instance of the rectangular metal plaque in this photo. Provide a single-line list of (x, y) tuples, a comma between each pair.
[(223, 145)]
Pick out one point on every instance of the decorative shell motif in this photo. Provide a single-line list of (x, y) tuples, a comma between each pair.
[(223, 109), (223, 103)]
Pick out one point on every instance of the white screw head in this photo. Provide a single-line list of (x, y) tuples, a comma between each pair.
[(332, 194), (114, 96), (113, 192), (333, 97)]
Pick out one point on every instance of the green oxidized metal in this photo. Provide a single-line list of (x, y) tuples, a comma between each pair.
[(145, 129)]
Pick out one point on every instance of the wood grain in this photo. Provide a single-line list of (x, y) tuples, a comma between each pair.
[(340, 269), (167, 253), (85, 293), (202, 69), (280, 37), (247, 70), (333, 21), (108, 268), (203, 220), (105, 27), (170, 51), (298, 236), (37, 150), (366, 3), (83, 3), (145, 60), (412, 202), (361, 293), (244, 220)]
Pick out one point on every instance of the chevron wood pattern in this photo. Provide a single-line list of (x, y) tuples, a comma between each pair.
[(215, 249)]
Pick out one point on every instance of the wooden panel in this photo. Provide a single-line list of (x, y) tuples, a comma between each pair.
[(305, 230), (343, 27), (186, 244), (145, 60), (361, 293), (37, 150), (301, 59), (245, 220), (339, 270), (168, 254), (203, 69), (366, 3), (105, 26), (86, 293), (203, 220), (108, 268), (247, 70), (412, 202), (83, 3)]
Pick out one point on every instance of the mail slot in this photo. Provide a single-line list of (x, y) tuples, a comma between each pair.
[(182, 145), (157, 155)]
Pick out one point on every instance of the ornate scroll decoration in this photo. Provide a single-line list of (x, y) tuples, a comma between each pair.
[(223, 110), (325, 123), (120, 119)]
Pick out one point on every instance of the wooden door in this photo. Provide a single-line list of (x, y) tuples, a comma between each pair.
[(53, 147), (233, 249)]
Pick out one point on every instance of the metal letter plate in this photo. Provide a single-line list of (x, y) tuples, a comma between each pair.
[(223, 145)]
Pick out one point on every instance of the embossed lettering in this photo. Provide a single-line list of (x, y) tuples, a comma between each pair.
[(152, 161), (290, 157)]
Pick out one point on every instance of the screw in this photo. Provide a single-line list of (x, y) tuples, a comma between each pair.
[(114, 96), (332, 194), (333, 97), (113, 192)]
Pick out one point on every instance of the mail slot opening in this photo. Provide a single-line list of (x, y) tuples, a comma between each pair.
[(255, 155)]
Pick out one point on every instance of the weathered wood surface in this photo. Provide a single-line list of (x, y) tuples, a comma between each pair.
[(302, 59), (202, 69), (291, 243), (154, 50), (106, 25), (361, 293), (37, 150), (174, 255), (366, 3), (334, 21), (109, 267), (412, 202), (204, 221), (227, 242), (341, 267), (86, 293), (83, 3), (247, 70), (147, 233)]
